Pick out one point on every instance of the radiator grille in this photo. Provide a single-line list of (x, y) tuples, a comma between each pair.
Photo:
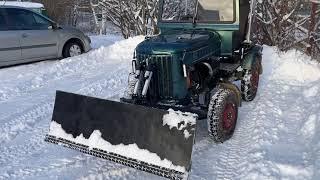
[(162, 84)]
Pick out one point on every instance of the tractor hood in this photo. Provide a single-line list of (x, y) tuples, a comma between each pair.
[(178, 42)]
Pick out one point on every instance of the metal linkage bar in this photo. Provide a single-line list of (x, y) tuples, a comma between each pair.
[(251, 15)]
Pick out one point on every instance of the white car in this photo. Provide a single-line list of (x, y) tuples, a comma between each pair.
[(27, 36)]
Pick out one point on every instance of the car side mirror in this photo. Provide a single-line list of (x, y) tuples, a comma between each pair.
[(53, 26)]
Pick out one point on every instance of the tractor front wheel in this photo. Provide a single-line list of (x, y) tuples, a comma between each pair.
[(222, 115)]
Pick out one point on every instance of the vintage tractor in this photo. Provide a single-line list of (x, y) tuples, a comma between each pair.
[(183, 74)]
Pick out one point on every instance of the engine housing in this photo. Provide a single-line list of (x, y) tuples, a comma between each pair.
[(170, 54)]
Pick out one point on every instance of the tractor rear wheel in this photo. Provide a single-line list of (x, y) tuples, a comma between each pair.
[(222, 115), (250, 83)]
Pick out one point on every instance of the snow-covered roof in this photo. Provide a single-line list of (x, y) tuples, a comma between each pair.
[(21, 4)]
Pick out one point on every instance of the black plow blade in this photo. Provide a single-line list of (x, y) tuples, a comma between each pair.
[(148, 139)]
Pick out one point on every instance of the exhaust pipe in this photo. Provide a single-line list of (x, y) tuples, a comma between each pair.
[(148, 77)]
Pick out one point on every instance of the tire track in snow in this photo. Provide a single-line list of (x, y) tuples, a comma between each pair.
[(43, 109), (27, 119), (48, 80), (228, 159), (24, 122), (19, 152), (62, 164), (243, 154), (233, 159), (102, 169), (58, 70), (54, 70), (307, 131)]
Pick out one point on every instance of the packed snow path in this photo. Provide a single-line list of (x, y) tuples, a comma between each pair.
[(277, 136)]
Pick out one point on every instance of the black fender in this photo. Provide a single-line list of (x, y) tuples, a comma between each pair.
[(252, 56)]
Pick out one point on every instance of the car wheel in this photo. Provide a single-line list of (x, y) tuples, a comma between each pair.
[(72, 49)]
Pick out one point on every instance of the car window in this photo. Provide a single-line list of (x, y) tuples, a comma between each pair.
[(20, 19), (41, 23), (3, 24)]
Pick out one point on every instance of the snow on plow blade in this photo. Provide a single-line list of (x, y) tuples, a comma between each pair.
[(148, 139)]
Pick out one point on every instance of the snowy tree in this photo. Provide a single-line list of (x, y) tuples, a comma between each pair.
[(177, 9), (314, 31), (276, 22), (290, 24), (65, 11), (138, 17)]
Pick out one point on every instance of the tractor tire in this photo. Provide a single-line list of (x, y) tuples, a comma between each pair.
[(222, 115), (250, 82)]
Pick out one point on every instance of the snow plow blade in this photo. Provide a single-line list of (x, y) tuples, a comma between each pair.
[(148, 139)]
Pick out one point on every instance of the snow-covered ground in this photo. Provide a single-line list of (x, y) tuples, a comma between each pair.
[(277, 136)]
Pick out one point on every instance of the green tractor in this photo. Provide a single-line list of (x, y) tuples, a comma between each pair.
[(184, 74)]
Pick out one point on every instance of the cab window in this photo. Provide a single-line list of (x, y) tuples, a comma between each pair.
[(216, 10), (205, 11)]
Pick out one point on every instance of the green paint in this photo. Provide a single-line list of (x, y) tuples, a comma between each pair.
[(185, 47)]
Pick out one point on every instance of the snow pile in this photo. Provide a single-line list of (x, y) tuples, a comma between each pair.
[(21, 4), (114, 59), (130, 151), (180, 120), (104, 40), (295, 67)]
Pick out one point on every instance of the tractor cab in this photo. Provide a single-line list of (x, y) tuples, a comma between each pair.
[(229, 18), (207, 36)]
